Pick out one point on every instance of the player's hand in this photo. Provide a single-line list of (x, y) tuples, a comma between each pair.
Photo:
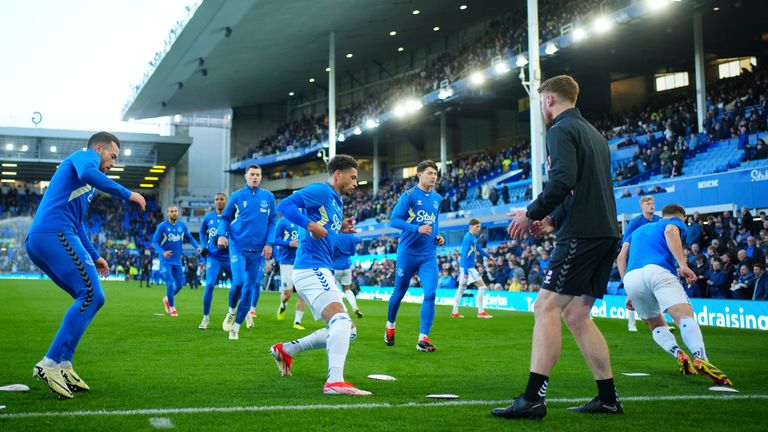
[(520, 224), (167, 254), (425, 229), (440, 240), (629, 306), (222, 243), (348, 226), (267, 252), (316, 230), (138, 199), (199, 250), (102, 268), (293, 243), (686, 273), (204, 253), (542, 227)]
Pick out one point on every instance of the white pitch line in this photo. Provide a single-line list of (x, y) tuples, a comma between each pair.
[(167, 411)]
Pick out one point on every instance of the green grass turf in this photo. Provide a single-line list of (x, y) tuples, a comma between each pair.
[(133, 359)]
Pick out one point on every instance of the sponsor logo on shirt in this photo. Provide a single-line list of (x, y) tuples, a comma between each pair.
[(423, 217), (174, 237)]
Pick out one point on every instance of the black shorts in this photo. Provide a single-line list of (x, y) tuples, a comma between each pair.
[(581, 266)]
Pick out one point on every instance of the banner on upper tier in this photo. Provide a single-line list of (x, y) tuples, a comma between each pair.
[(743, 314)]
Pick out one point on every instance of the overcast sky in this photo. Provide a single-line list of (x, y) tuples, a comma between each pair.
[(74, 61)]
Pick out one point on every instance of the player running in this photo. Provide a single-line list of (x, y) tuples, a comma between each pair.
[(248, 228), (345, 248), (416, 216), (318, 209), (469, 275), (653, 287), (216, 259), (58, 244), (287, 240), (648, 207), (167, 241)]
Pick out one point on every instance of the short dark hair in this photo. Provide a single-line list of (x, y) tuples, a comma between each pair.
[(341, 162), (103, 138), (220, 193), (423, 165), (474, 221), (673, 209), (757, 264), (563, 86), (253, 166)]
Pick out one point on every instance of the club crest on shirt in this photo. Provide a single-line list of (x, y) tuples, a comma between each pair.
[(245, 204), (264, 204), (435, 204)]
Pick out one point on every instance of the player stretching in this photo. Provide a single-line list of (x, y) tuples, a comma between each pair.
[(287, 240), (58, 244), (647, 206), (416, 215), (469, 275), (653, 287), (167, 241), (318, 209), (248, 228), (346, 245), (216, 259)]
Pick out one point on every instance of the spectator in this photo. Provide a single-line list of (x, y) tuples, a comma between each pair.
[(760, 283)]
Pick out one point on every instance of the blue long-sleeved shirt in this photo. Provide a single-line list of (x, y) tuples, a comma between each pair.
[(636, 223), (285, 232), (344, 249), (323, 205), (414, 209), (249, 220), (208, 237), (170, 237), (469, 251), (71, 190)]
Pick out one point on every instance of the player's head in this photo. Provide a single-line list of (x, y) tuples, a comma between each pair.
[(426, 171), (253, 176), (108, 148), (673, 210), (342, 170), (173, 214), (220, 201), (474, 226), (557, 94), (647, 205)]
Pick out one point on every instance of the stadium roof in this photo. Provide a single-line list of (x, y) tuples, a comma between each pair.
[(37, 152), (275, 46)]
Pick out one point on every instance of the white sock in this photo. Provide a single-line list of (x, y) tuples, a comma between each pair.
[(422, 336), (339, 331), (252, 309), (457, 300), (233, 311), (315, 340), (235, 327), (205, 317), (48, 363), (666, 340), (173, 308), (298, 317), (691, 334), (351, 299), (390, 325), (66, 364), (480, 300), (631, 318)]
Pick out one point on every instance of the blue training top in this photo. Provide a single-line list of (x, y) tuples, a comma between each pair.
[(69, 193), (345, 248), (636, 223), (170, 237), (208, 237), (414, 209), (324, 206), (284, 233), (469, 251), (649, 246), (249, 220)]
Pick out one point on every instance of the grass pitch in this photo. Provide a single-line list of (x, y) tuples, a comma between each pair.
[(148, 370)]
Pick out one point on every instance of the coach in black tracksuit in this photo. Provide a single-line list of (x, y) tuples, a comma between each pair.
[(578, 200)]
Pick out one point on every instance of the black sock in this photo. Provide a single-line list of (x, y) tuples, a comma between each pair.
[(537, 387), (606, 391)]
